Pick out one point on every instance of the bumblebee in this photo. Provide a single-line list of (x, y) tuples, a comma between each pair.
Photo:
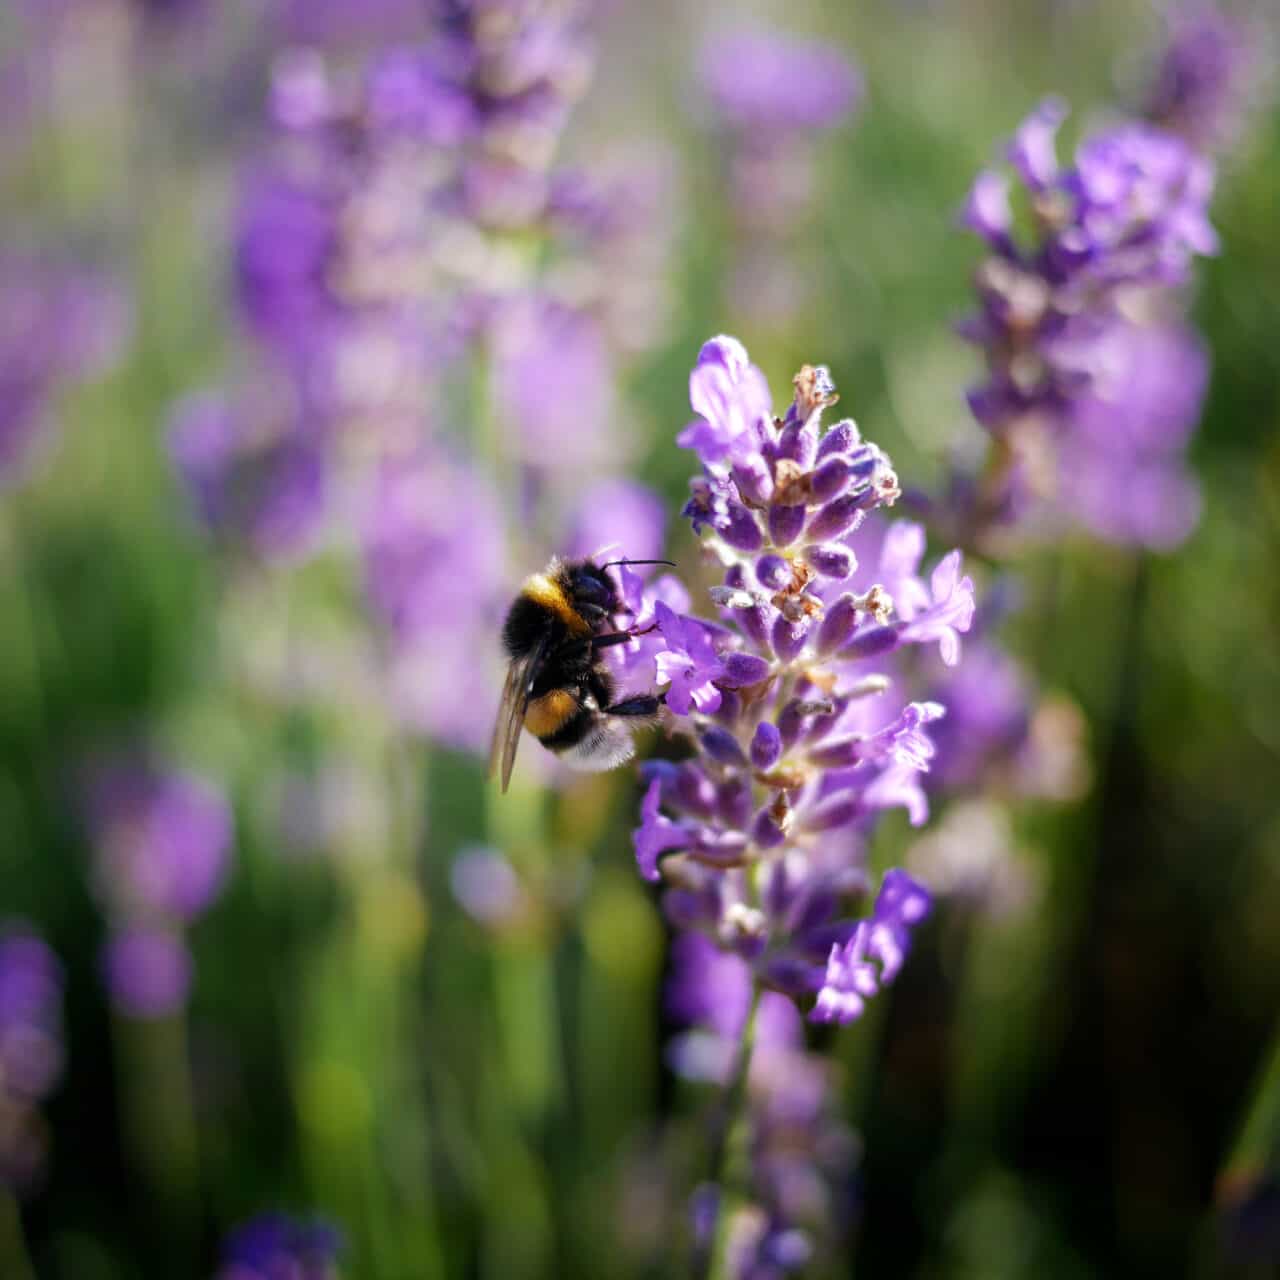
[(558, 685)]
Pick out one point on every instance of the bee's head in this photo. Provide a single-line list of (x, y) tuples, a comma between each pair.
[(591, 584)]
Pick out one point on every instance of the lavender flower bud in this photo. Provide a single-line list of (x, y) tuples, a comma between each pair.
[(871, 643), (766, 831), (773, 572), (842, 438), (837, 517), (838, 624), (835, 811), (743, 669), (766, 745), (798, 442), (785, 524), (721, 746), (831, 561), (740, 530), (839, 753), (788, 638), (831, 478)]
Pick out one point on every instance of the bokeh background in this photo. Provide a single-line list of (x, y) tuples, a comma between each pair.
[(345, 980)]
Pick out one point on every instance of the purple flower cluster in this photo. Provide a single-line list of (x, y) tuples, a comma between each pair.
[(162, 843), (31, 1051), (276, 1247), (760, 837), (58, 324), (1061, 328), (800, 1154)]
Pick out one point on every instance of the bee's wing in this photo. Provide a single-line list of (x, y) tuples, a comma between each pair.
[(511, 711)]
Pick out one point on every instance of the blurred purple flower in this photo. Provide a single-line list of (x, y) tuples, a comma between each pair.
[(162, 839), (772, 81), (434, 567), (553, 381), (1204, 75), (31, 1048), (773, 94), (147, 972), (1123, 472), (619, 517), (268, 492), (59, 323), (485, 885), (276, 1247)]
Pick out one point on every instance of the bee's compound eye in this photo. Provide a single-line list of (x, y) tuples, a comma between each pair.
[(590, 702), (592, 590)]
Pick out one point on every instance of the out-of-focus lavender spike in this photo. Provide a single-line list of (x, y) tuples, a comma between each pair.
[(31, 1050), (1205, 76), (59, 323)]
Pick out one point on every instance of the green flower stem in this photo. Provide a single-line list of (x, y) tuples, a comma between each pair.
[(713, 1261), (15, 1261), (158, 1113)]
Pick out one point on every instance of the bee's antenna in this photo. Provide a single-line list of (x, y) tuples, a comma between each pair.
[(611, 563)]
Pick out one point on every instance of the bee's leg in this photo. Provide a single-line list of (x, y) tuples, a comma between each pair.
[(619, 637), (645, 705), (610, 638)]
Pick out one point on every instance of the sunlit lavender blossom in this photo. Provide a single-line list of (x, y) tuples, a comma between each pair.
[(1204, 76), (760, 837), (31, 1049), (58, 324), (276, 1247), (801, 1156), (1132, 209)]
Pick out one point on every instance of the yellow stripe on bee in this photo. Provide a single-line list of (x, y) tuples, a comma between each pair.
[(550, 595), (548, 713)]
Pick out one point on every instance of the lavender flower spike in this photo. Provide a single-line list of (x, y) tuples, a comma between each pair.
[(760, 838)]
